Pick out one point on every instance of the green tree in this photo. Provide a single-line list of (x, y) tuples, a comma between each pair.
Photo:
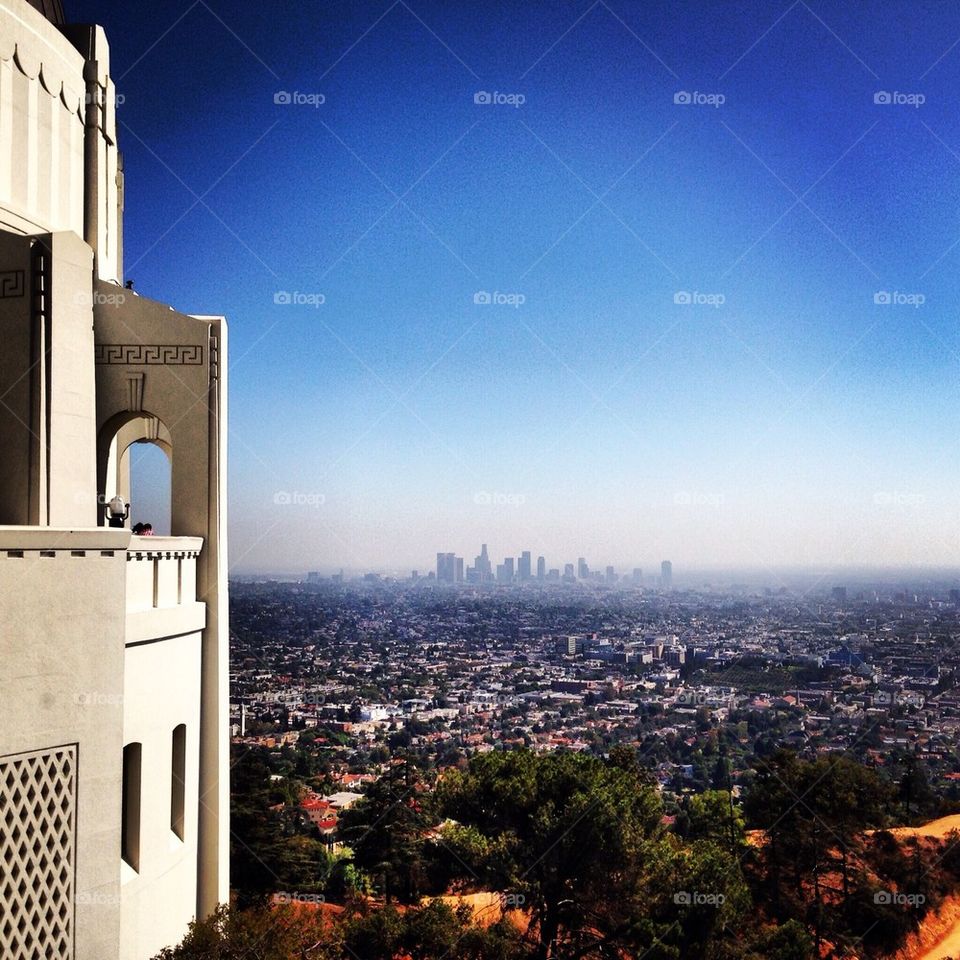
[(386, 830), (712, 815), (261, 933), (567, 833)]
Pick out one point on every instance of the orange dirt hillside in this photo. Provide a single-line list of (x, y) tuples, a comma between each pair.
[(939, 935)]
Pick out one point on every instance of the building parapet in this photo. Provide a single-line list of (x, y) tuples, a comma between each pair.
[(161, 572)]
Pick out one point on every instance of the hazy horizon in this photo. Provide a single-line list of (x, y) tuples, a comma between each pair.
[(603, 280)]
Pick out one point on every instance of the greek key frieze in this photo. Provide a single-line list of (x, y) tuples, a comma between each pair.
[(12, 283), (169, 354)]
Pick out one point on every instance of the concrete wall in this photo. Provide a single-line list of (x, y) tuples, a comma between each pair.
[(71, 415), (165, 372), (60, 169), (161, 690), (61, 636), (41, 124), (18, 375), (48, 421)]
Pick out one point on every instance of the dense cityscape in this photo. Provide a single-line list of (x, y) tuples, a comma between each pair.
[(451, 672), (350, 699)]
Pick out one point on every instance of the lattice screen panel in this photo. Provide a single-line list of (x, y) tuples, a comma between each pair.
[(37, 826)]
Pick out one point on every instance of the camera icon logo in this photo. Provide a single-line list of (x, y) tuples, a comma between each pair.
[(481, 96), (882, 96), (881, 298), (482, 297), (282, 98), (682, 297), (682, 96), (282, 297)]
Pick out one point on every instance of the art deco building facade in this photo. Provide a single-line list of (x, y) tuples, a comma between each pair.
[(113, 648)]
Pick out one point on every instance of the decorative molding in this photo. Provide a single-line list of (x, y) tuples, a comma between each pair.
[(143, 354), (151, 429), (12, 283), (135, 391)]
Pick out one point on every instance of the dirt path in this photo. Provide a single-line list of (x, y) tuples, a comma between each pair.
[(935, 828), (948, 947), (949, 944)]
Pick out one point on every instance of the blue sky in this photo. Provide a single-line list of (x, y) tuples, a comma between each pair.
[(784, 417)]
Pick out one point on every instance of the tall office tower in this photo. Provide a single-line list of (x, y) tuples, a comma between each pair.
[(568, 573), (508, 569), (583, 571), (666, 575), (446, 568), (114, 741), (541, 568), (637, 576), (523, 567), (611, 575), (458, 569), (482, 565)]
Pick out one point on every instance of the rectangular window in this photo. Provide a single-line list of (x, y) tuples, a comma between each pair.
[(130, 824), (178, 773)]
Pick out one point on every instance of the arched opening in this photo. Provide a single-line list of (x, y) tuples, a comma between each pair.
[(135, 461), (149, 468)]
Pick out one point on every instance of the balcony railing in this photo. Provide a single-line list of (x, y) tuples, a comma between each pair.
[(161, 572), (162, 587)]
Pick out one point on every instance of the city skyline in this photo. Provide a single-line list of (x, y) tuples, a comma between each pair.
[(618, 317), (520, 569)]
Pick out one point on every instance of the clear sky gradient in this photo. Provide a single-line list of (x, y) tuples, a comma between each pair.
[(798, 421)]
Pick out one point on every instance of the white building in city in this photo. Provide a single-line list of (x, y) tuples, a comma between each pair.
[(113, 648)]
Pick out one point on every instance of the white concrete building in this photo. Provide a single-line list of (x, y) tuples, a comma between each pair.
[(114, 745)]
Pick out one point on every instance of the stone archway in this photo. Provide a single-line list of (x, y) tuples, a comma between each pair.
[(116, 438)]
